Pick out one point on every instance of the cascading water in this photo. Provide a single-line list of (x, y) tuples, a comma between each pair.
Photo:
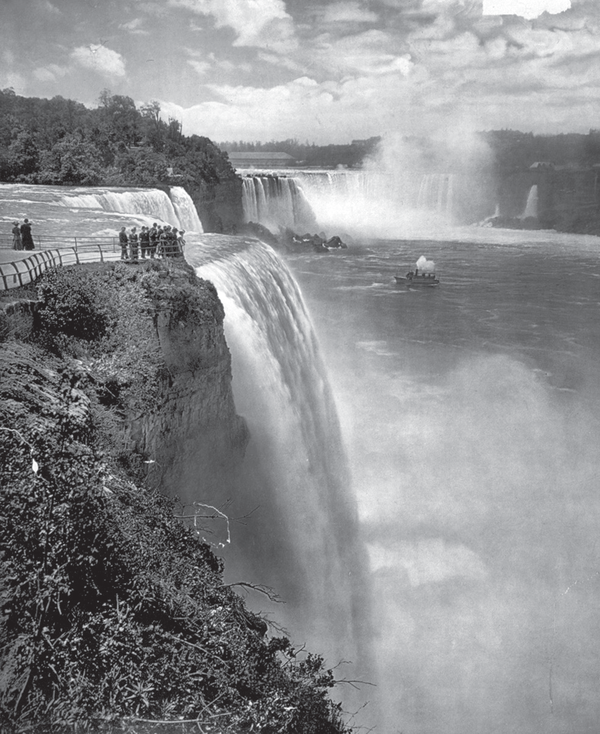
[(185, 209), (151, 202), (531, 206), (276, 202), (296, 465), (436, 193), (370, 202)]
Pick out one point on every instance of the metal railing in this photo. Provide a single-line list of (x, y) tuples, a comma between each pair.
[(45, 242), (22, 272)]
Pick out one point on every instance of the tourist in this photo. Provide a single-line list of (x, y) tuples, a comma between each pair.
[(145, 242), (173, 242), (153, 235), (124, 242), (162, 241), (133, 245), (26, 238), (181, 241), (16, 232)]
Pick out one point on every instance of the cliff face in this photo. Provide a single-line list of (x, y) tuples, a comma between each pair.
[(568, 199), (113, 613), (193, 435)]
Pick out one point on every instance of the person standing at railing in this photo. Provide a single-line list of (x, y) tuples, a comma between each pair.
[(124, 242), (16, 233), (26, 238), (181, 241), (133, 245), (145, 242), (162, 241), (153, 236)]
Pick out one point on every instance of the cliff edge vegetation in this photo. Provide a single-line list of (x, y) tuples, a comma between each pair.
[(114, 615)]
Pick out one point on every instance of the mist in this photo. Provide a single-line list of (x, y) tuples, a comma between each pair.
[(476, 473), (409, 187)]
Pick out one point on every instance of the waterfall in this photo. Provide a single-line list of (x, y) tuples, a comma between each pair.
[(369, 202), (349, 200), (153, 203), (307, 519), (436, 193), (276, 202), (531, 206), (186, 210)]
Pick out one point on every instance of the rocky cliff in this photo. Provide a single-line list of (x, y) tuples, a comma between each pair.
[(191, 435), (113, 612)]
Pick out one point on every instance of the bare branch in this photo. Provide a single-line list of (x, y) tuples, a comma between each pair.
[(269, 593)]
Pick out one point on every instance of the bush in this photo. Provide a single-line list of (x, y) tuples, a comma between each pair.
[(74, 304)]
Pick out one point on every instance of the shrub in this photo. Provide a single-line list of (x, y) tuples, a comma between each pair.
[(73, 303)]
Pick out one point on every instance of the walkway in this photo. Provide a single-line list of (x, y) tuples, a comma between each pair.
[(20, 267)]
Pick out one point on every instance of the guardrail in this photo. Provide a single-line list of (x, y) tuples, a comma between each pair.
[(44, 242), (21, 272)]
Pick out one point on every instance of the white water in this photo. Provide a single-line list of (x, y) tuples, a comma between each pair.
[(59, 211), (531, 206), (185, 209), (296, 464), (150, 202), (276, 203), (355, 202), (471, 417)]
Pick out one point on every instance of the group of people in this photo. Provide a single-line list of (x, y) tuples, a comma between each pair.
[(151, 242), (22, 238)]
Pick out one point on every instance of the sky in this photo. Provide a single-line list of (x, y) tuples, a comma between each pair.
[(321, 71)]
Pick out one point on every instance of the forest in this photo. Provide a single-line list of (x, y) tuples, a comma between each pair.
[(61, 142)]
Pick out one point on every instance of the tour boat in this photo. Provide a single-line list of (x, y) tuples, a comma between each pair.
[(418, 279)]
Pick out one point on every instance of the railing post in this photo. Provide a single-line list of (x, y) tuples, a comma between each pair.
[(4, 278)]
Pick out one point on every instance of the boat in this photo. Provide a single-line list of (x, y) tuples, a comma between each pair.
[(422, 280)]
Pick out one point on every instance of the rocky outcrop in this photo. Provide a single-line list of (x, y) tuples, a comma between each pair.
[(193, 437)]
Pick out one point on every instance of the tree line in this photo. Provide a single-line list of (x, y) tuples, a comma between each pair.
[(350, 155), (62, 142)]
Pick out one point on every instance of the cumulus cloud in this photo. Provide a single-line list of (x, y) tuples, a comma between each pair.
[(50, 73), (371, 52), (526, 8), (262, 23), (99, 58)]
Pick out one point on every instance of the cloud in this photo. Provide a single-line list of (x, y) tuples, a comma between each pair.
[(368, 53), (262, 23), (50, 73), (347, 12), (200, 67), (99, 58), (134, 27), (526, 8)]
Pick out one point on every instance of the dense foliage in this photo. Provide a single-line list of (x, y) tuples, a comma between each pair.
[(60, 141), (112, 611)]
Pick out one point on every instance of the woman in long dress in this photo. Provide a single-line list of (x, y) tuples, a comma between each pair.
[(16, 232)]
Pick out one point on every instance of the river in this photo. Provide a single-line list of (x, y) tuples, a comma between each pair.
[(470, 415)]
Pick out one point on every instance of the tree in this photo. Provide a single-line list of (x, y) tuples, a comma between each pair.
[(72, 161), (23, 155)]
